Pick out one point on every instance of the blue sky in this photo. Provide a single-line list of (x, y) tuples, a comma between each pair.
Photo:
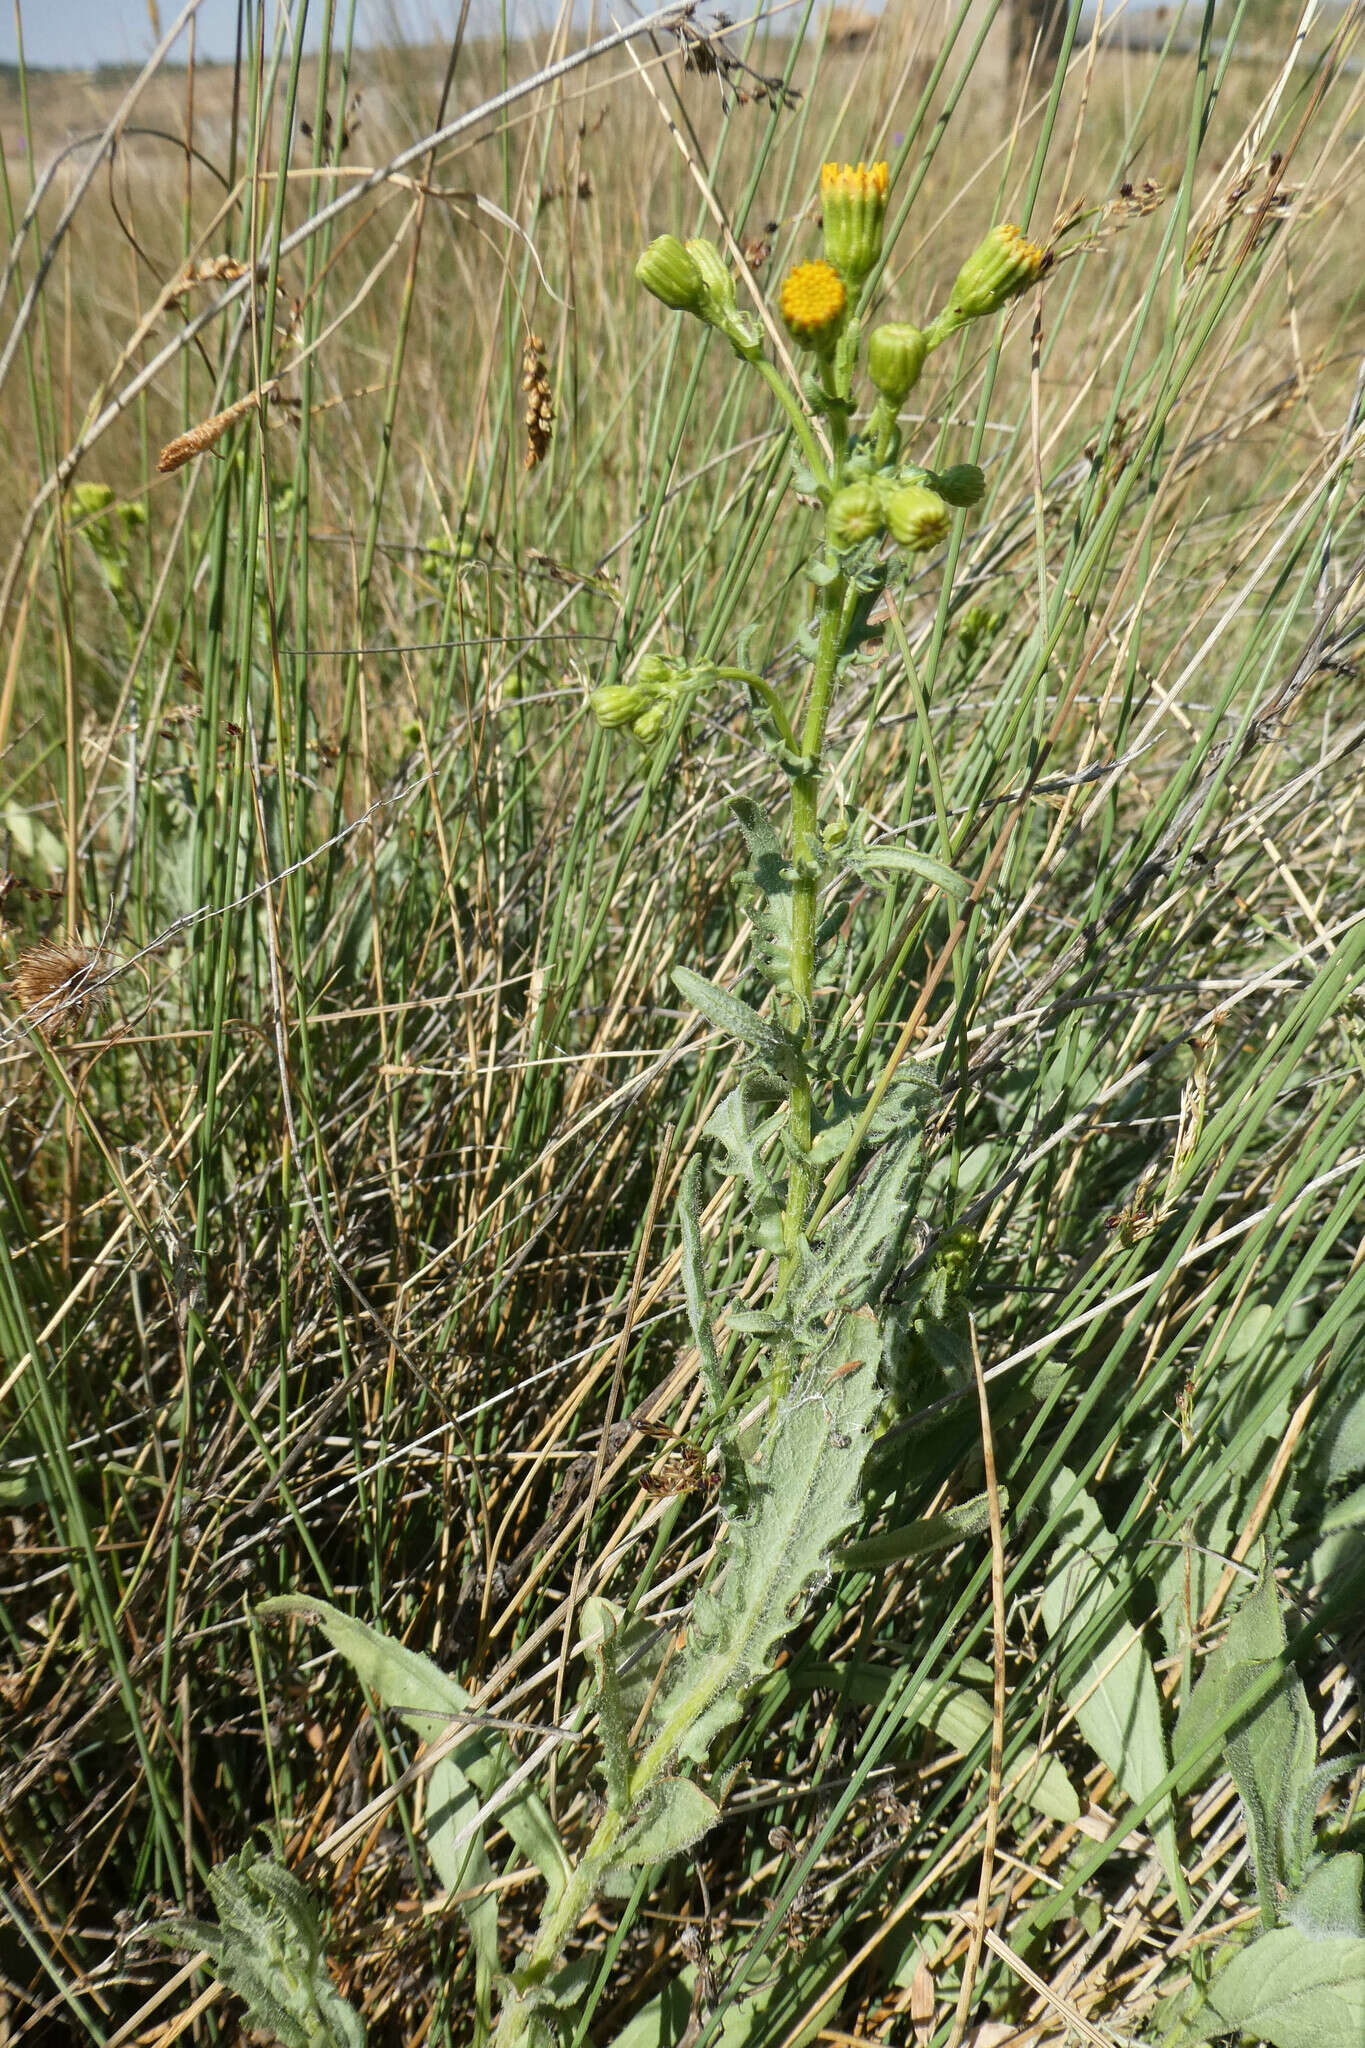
[(79, 34), (82, 33)]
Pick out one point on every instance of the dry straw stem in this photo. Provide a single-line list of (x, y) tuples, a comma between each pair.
[(52, 985), (209, 432)]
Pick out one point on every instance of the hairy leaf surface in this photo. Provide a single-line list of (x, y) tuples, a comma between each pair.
[(805, 1494)]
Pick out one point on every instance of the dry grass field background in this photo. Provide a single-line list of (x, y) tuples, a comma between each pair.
[(337, 1238)]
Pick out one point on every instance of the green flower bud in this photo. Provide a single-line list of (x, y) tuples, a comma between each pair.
[(854, 515), (615, 704), (853, 210), (652, 724), (963, 484), (667, 270), (89, 498), (997, 270), (1001, 266), (660, 676), (978, 626), (895, 357), (717, 281), (917, 517)]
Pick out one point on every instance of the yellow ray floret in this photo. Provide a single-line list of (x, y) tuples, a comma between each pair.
[(813, 301), (854, 181)]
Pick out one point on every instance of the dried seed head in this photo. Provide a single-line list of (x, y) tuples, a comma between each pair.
[(540, 404), (54, 987), (207, 434)]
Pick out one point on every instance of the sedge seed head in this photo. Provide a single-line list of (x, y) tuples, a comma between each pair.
[(813, 302)]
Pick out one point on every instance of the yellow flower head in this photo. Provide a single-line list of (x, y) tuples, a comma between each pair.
[(813, 302), (853, 208), (854, 181)]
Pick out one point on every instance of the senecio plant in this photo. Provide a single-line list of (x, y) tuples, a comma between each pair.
[(825, 1341), (827, 1181)]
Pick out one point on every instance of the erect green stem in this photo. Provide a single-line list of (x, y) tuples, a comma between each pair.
[(558, 1924), (883, 427), (806, 862), (593, 1866)]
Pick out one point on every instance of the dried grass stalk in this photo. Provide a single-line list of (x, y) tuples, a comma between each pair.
[(54, 987)]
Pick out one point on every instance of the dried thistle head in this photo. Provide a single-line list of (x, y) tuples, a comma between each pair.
[(54, 986)]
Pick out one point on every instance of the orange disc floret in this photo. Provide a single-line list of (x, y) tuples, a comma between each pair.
[(813, 302)]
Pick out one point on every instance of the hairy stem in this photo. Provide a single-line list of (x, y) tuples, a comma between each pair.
[(806, 861)]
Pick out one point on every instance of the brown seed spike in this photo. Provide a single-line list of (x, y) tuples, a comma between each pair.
[(207, 434), (535, 382)]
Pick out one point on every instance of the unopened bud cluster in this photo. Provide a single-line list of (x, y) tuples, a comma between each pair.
[(868, 491), (647, 703)]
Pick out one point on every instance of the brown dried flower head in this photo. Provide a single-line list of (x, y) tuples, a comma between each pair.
[(213, 270), (54, 986)]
